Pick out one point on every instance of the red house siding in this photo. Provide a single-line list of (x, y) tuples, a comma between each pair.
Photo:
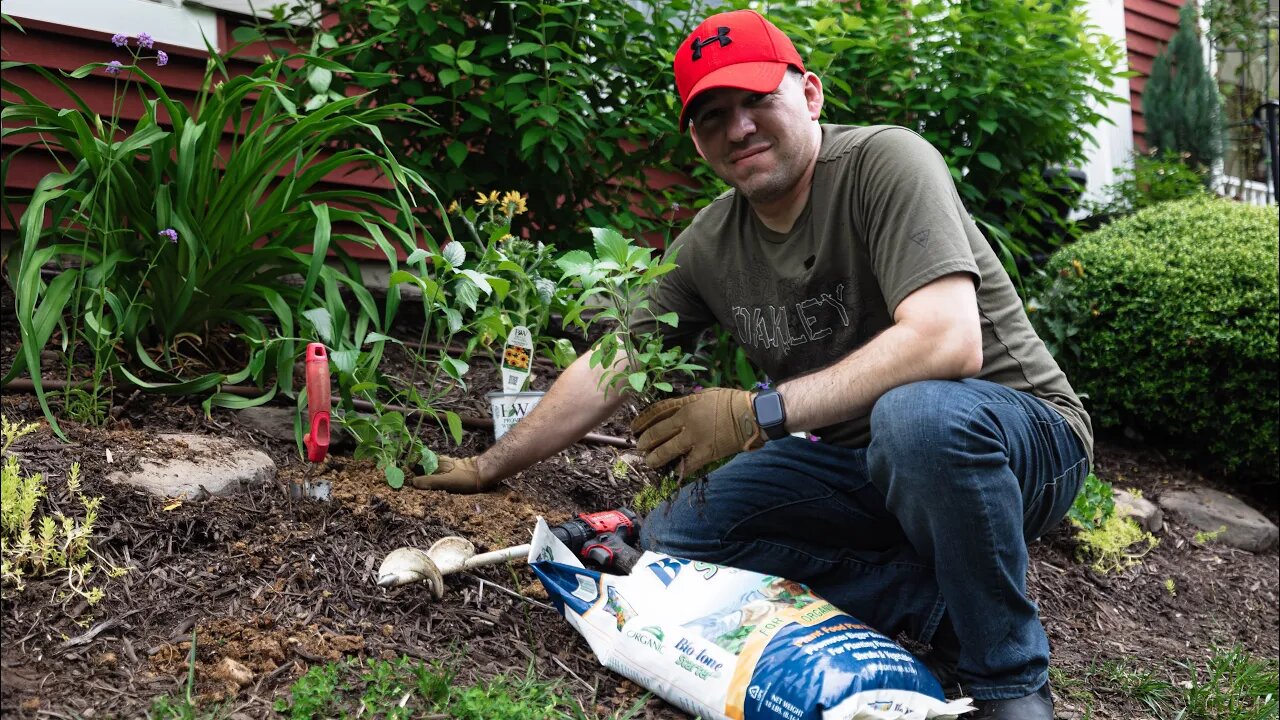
[(1149, 25), (59, 47)]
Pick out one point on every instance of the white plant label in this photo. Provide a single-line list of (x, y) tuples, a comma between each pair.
[(517, 359)]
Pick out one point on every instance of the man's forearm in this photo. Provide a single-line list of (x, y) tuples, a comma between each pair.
[(851, 386), (574, 405), (936, 336)]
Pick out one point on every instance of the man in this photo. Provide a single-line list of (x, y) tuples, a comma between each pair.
[(848, 268)]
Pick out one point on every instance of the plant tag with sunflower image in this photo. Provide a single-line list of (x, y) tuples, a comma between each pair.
[(517, 359)]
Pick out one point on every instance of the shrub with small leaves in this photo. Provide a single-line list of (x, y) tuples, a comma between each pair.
[(1172, 316)]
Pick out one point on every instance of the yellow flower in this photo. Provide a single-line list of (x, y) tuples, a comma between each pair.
[(514, 202), (1079, 268), (454, 209), (482, 199), (506, 237)]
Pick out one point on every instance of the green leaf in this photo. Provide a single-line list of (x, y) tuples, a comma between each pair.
[(670, 318), (395, 476), (190, 387), (322, 322), (319, 79), (989, 160), (637, 381), (455, 426), (610, 245), (236, 402), (457, 152), (454, 367), (524, 48)]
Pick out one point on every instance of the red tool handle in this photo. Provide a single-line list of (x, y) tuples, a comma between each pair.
[(317, 439)]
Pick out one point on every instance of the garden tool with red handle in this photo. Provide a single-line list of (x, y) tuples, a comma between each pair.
[(316, 440)]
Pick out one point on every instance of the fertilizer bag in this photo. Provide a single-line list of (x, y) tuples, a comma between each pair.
[(719, 642)]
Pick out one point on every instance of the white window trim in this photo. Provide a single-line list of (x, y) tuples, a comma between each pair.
[(171, 23)]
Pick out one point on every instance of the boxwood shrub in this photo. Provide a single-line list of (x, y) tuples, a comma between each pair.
[(1167, 320)]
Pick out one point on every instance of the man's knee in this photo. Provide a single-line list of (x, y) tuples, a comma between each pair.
[(917, 420), (685, 526)]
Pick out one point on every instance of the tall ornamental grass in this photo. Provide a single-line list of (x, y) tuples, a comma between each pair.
[(164, 232)]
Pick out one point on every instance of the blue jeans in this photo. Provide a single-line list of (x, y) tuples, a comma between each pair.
[(931, 519)]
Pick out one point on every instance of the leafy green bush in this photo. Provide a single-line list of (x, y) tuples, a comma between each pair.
[(1168, 320), (1156, 177), (553, 95), (927, 65)]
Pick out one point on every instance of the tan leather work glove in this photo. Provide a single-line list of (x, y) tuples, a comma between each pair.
[(697, 429), (455, 475)]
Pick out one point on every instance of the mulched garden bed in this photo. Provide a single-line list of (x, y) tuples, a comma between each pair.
[(280, 586)]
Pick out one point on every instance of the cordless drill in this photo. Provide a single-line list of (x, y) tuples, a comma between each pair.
[(603, 538)]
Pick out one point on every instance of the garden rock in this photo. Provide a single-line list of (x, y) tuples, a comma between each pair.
[(1211, 511), (274, 422), (1146, 513), (181, 464)]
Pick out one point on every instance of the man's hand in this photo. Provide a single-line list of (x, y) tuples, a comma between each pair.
[(697, 429), (455, 475)]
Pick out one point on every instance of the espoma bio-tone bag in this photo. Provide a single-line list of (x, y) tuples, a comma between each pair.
[(718, 642)]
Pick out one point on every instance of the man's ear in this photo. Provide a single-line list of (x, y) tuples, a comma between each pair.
[(813, 95), (693, 133)]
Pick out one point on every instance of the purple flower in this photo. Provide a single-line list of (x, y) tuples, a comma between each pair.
[(119, 39), (145, 40), (763, 385), (114, 67), (162, 58), (697, 388), (814, 438), (170, 233)]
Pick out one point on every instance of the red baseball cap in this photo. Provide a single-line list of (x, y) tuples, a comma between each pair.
[(738, 49)]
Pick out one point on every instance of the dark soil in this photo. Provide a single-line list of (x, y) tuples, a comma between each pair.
[(280, 586)]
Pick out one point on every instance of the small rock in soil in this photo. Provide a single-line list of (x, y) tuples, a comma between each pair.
[(1146, 513), (1212, 511), (190, 462)]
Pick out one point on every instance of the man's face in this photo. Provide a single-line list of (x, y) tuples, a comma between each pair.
[(760, 143)]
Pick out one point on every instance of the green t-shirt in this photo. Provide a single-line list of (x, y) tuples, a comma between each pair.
[(883, 219)]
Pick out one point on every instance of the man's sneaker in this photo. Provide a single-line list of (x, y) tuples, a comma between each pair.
[(1036, 706)]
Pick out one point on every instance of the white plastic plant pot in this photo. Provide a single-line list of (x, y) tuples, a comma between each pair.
[(507, 409)]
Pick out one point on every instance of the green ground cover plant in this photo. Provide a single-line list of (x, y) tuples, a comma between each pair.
[(406, 688), (1167, 321), (39, 543), (1231, 685), (1109, 542)]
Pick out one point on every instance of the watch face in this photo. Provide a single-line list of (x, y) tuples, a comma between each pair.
[(769, 409)]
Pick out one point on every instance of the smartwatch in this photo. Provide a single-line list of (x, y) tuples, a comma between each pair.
[(770, 415)]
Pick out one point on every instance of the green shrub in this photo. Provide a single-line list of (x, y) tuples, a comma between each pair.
[(927, 65), (1167, 321), (550, 94), (1156, 177), (557, 95)]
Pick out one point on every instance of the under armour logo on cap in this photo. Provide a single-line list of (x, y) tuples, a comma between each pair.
[(721, 36)]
